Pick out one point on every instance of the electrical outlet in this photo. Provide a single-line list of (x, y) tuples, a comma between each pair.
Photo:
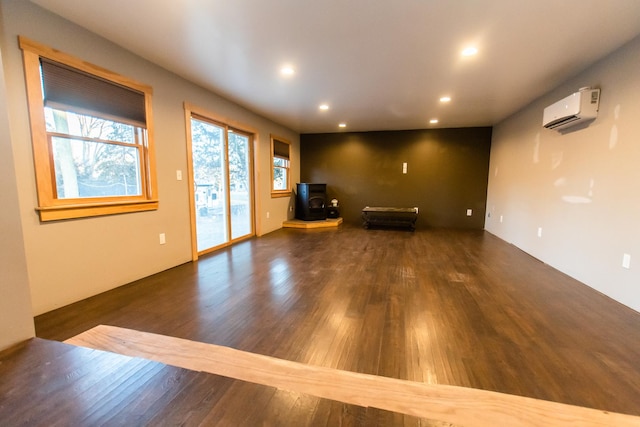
[(626, 261), (469, 212), (163, 239), (404, 167), (179, 175)]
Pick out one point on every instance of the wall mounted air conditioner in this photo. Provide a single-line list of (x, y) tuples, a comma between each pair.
[(576, 108)]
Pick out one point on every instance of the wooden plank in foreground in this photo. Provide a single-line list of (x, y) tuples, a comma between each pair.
[(457, 405)]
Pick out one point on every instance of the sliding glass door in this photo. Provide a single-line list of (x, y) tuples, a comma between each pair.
[(221, 171), (239, 183)]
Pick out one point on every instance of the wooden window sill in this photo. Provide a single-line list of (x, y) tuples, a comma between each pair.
[(55, 213), (275, 194)]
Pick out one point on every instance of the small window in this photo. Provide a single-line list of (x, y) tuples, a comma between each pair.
[(91, 137), (280, 176)]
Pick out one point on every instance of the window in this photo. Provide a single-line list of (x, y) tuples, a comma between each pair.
[(280, 156), (91, 136)]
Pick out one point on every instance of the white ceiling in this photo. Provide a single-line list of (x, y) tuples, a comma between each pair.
[(379, 64)]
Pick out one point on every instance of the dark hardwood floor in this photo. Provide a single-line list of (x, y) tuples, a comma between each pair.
[(65, 385), (438, 306)]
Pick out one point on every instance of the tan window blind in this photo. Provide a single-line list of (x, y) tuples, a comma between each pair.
[(280, 149), (70, 89)]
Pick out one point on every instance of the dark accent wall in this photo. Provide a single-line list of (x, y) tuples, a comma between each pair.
[(447, 172)]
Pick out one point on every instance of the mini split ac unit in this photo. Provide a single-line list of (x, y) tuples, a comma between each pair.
[(576, 108)]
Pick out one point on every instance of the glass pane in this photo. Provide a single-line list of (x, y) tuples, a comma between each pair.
[(207, 144), (279, 178), (92, 127), (283, 163), (95, 169), (240, 184)]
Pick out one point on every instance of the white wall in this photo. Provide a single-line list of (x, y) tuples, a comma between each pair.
[(16, 323), (71, 260), (582, 188)]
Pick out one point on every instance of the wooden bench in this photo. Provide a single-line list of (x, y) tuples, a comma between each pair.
[(391, 217)]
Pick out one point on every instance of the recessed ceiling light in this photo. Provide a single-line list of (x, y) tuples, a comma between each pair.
[(469, 51), (342, 125), (287, 71), (323, 107), (433, 121), (445, 99)]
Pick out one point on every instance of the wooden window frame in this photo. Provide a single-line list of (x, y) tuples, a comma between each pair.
[(287, 191), (51, 208)]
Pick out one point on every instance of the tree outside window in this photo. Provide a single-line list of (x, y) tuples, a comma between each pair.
[(103, 162)]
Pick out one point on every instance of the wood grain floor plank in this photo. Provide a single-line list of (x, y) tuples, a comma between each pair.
[(192, 404), (456, 405), (147, 393)]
